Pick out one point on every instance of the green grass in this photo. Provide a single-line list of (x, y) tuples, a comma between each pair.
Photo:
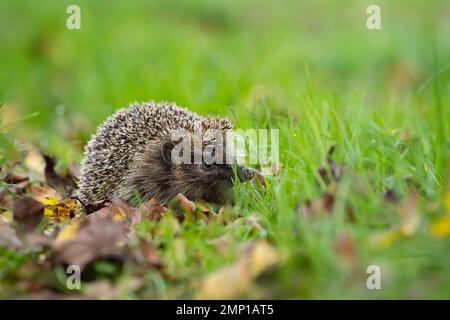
[(311, 70)]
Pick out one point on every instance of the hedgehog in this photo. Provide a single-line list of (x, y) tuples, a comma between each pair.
[(130, 157)]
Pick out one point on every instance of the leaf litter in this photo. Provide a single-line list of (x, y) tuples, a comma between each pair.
[(39, 215)]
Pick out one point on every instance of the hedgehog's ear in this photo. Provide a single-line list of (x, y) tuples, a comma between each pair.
[(166, 152)]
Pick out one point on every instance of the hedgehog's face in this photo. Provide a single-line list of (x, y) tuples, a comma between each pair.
[(177, 163), (204, 174)]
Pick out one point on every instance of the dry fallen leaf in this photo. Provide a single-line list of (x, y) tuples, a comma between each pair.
[(345, 248), (6, 216), (123, 210), (35, 164), (102, 238), (153, 210), (103, 213), (222, 244), (322, 205), (260, 178), (13, 178), (253, 222), (186, 204), (106, 290), (60, 211), (6, 199), (391, 196), (93, 207), (44, 191), (36, 242), (409, 215), (8, 237), (69, 232), (225, 215), (63, 183), (235, 280), (262, 256), (385, 238), (333, 171), (27, 212), (441, 228), (447, 201), (276, 168), (55, 207), (150, 254)]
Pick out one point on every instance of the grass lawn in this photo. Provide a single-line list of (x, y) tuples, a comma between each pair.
[(379, 98)]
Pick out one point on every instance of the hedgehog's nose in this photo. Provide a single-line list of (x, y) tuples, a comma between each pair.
[(244, 173)]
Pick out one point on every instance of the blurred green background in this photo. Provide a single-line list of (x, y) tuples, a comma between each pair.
[(310, 68), (211, 56)]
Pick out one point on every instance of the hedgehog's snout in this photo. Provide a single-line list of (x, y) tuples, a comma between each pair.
[(244, 174)]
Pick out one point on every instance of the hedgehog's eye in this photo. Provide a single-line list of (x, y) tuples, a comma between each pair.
[(207, 166)]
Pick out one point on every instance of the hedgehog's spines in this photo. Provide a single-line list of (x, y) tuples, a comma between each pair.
[(123, 145)]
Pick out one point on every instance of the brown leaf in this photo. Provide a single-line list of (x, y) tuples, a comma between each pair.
[(153, 210), (345, 249), (37, 241), (13, 178), (324, 204), (102, 238), (44, 191), (122, 210), (18, 183), (186, 204), (405, 134), (6, 199), (391, 196), (27, 212), (103, 213), (276, 168), (260, 178), (101, 289), (334, 171), (105, 289), (63, 183), (8, 237), (150, 254), (94, 207), (47, 294)]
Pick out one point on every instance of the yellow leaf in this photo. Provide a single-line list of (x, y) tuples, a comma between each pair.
[(237, 279), (225, 283), (447, 200), (35, 162), (409, 215), (6, 216), (120, 215), (49, 201), (441, 228), (41, 192), (68, 233), (262, 257), (385, 239), (59, 211)]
